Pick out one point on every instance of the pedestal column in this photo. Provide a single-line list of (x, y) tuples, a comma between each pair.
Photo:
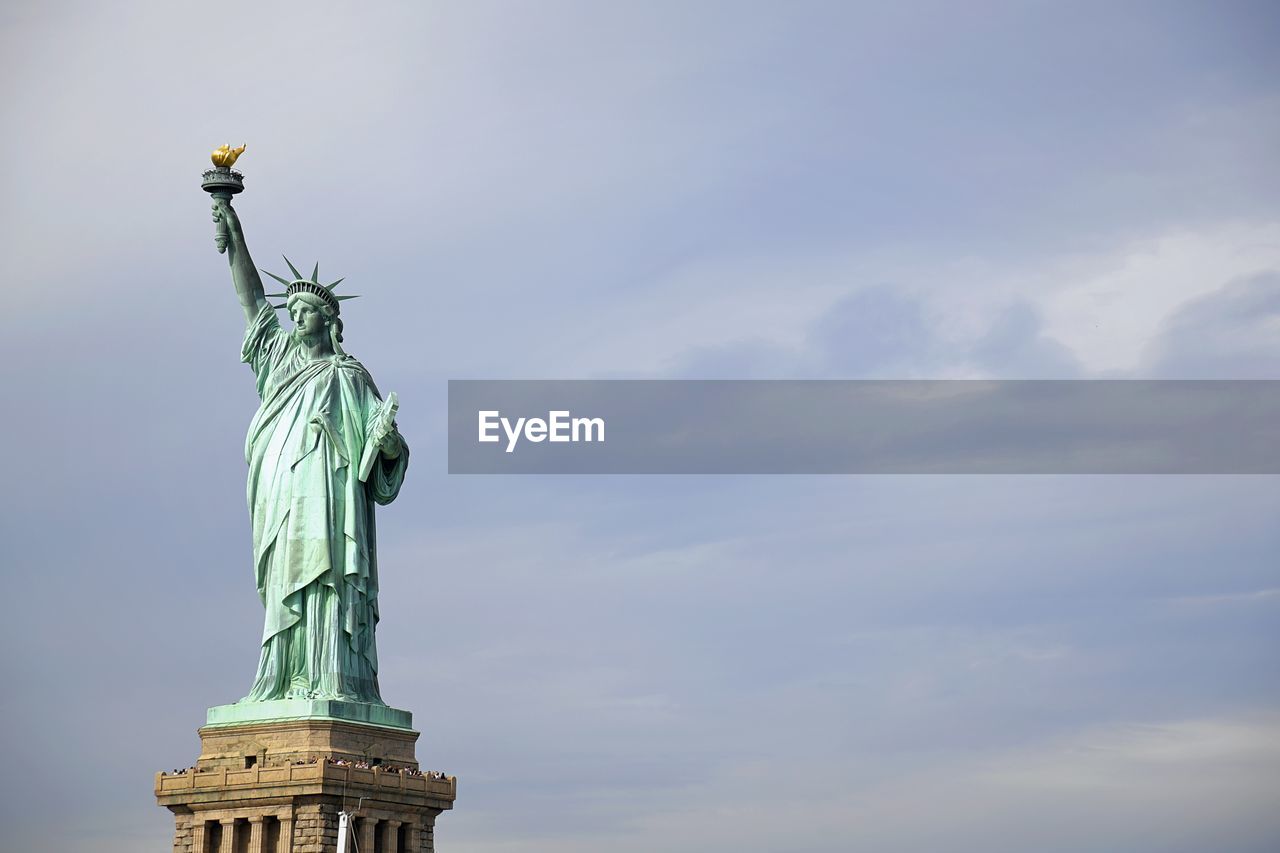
[(286, 835), (255, 834), (368, 827), (228, 844)]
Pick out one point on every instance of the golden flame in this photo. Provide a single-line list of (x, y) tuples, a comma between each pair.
[(225, 155)]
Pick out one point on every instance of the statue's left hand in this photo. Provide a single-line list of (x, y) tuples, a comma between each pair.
[(390, 445)]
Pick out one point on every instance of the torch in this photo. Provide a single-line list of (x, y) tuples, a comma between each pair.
[(222, 182)]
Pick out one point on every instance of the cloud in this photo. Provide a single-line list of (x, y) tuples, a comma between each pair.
[(1257, 596), (1109, 314), (1181, 784), (1016, 341), (1233, 333), (1129, 309)]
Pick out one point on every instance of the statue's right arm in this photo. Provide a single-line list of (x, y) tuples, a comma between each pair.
[(243, 273)]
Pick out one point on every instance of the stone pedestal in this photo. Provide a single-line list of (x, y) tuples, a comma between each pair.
[(277, 786)]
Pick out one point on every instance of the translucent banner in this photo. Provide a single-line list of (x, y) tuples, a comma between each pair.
[(864, 427)]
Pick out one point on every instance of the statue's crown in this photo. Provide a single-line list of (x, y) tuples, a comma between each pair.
[(308, 285)]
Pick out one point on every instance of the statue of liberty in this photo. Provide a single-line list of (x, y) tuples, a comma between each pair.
[(322, 450)]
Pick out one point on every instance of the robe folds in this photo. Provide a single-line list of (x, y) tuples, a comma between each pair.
[(314, 548)]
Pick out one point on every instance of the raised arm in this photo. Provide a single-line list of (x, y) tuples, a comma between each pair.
[(243, 273)]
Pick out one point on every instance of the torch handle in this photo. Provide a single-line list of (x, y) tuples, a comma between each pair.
[(220, 233)]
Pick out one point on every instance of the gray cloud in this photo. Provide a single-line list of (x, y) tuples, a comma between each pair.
[(883, 332), (1231, 333)]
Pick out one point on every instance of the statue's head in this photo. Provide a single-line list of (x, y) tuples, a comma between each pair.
[(312, 305), (314, 316)]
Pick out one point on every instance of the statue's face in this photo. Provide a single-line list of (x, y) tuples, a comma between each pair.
[(308, 318)]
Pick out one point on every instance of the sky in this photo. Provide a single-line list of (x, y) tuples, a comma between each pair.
[(664, 190)]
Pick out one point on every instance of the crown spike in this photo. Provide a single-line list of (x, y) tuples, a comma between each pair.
[(302, 285), (352, 296), (336, 283)]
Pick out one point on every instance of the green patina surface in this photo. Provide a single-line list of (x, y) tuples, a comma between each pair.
[(323, 450), (302, 709)]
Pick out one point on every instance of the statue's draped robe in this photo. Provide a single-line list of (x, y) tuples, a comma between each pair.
[(313, 529)]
